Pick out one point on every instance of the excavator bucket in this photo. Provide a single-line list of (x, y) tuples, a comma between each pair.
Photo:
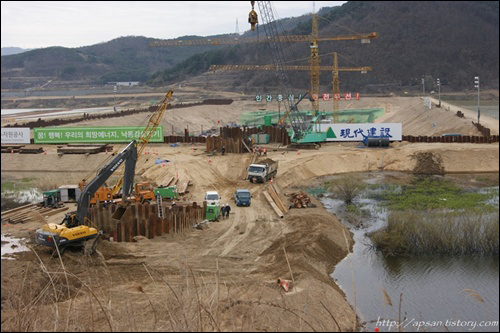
[(118, 214), (123, 215)]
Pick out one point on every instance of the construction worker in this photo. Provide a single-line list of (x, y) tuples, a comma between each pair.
[(82, 184), (223, 211), (228, 210), (223, 150), (265, 151)]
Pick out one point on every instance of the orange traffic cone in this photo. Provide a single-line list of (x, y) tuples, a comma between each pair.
[(377, 329)]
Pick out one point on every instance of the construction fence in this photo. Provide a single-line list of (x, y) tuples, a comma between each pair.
[(93, 116), (450, 139), (142, 219), (237, 140)]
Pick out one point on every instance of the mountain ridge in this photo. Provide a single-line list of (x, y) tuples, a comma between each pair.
[(453, 41)]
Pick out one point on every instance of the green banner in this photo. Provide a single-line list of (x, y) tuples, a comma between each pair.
[(93, 134)]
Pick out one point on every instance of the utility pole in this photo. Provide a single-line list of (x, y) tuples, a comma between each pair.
[(439, 91), (476, 85), (114, 106)]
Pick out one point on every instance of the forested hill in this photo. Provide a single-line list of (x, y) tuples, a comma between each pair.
[(454, 41), (122, 59), (450, 40)]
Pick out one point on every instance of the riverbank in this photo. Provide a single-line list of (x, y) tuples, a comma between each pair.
[(431, 289)]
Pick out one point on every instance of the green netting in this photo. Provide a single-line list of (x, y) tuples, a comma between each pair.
[(358, 116)]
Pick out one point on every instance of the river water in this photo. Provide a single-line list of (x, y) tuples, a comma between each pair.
[(438, 293)]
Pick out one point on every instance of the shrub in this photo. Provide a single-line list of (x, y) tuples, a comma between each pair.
[(347, 188)]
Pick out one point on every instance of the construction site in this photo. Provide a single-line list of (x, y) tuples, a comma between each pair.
[(140, 240)]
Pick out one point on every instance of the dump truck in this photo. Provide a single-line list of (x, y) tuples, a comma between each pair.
[(262, 171)]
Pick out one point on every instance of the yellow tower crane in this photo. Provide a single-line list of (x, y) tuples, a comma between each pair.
[(335, 69), (147, 134), (313, 39)]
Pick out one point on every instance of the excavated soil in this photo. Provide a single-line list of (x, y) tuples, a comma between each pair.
[(222, 277)]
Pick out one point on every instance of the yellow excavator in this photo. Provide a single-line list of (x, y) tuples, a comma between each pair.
[(72, 231)]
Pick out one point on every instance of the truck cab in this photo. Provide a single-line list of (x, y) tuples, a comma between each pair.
[(262, 171), (242, 197), (212, 198), (213, 211)]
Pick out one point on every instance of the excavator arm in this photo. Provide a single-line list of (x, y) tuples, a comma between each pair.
[(127, 155)]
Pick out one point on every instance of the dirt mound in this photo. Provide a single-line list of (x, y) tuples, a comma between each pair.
[(428, 164)]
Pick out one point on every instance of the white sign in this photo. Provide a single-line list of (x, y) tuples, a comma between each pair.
[(357, 132), (428, 103), (15, 135)]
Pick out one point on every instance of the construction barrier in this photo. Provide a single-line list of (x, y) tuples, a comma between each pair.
[(452, 139), (86, 116)]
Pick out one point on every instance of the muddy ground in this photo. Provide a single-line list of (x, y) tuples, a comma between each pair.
[(224, 276)]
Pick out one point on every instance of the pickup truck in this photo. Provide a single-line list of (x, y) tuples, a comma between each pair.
[(262, 171)]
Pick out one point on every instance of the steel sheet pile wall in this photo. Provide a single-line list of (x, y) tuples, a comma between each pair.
[(143, 220), (277, 134), (88, 116), (234, 146), (232, 138), (450, 139)]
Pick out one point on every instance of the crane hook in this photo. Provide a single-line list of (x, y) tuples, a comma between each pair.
[(252, 17)]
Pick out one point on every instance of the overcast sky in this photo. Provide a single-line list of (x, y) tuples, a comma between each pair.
[(37, 24)]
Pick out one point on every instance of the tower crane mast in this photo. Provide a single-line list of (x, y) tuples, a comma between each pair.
[(298, 123)]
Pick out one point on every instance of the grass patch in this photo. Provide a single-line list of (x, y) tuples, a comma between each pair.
[(436, 216), (429, 194), (16, 184), (7, 186), (450, 233)]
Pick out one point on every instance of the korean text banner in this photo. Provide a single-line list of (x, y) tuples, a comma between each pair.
[(358, 132), (15, 135), (93, 134)]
